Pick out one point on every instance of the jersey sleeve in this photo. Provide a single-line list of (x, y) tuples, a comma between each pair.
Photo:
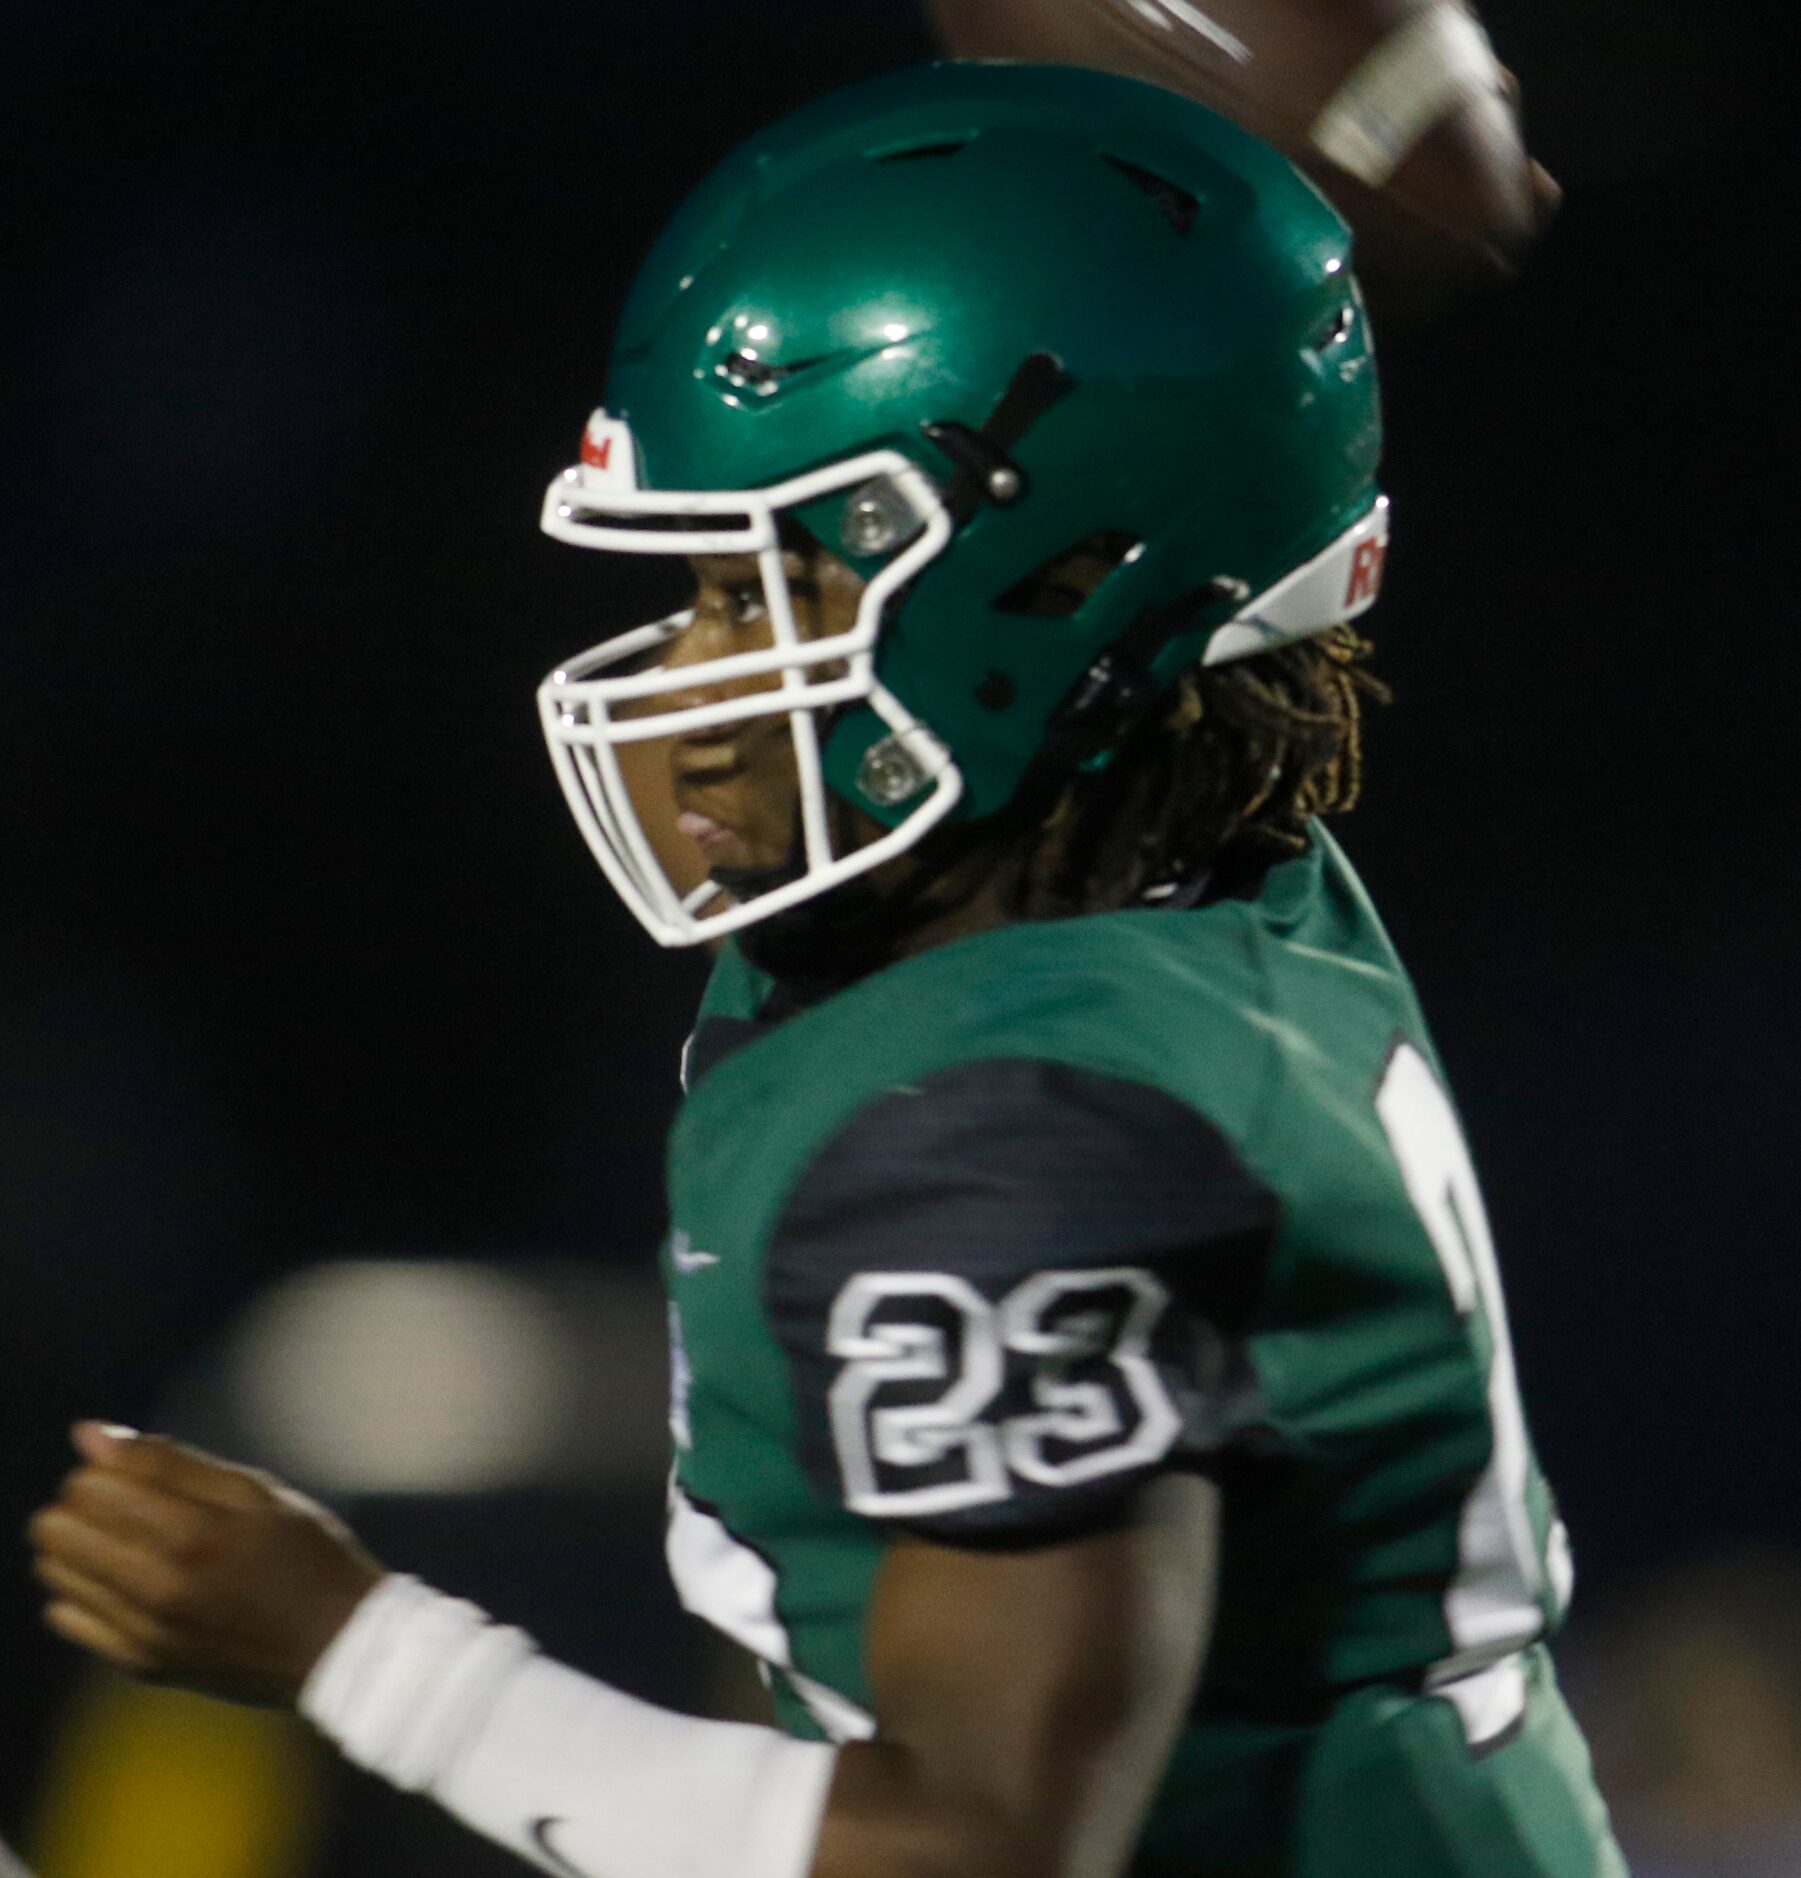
[(1010, 1293)]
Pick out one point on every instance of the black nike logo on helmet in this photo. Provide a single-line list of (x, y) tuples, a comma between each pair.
[(539, 1835)]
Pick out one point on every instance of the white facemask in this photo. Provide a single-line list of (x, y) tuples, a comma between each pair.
[(890, 503)]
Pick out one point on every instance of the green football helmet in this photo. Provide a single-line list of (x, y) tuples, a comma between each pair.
[(955, 324)]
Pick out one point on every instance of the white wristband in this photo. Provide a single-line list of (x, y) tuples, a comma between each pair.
[(427, 1692)]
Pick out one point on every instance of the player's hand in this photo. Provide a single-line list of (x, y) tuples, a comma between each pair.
[(191, 1571)]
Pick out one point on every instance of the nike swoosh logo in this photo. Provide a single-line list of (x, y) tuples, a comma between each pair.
[(540, 1837), (686, 1258)]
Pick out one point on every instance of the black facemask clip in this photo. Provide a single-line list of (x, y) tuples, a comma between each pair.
[(984, 470)]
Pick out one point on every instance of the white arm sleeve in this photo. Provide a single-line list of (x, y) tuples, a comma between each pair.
[(578, 1778)]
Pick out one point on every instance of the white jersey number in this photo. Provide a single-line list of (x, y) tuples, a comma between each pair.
[(925, 1355), (1493, 1605)]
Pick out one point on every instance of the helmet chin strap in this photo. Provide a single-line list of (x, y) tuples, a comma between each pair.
[(828, 942)]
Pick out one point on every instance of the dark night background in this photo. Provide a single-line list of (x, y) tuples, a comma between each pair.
[(300, 953)]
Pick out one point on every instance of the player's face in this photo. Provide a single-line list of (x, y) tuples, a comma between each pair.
[(728, 798)]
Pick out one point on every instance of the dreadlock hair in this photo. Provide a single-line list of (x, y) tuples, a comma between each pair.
[(1227, 776), (1230, 775)]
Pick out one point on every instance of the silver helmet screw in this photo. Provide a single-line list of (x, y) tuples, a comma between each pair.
[(877, 517), (1005, 484), (890, 773)]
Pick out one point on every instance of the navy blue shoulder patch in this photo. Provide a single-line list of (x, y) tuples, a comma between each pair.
[(1012, 1291)]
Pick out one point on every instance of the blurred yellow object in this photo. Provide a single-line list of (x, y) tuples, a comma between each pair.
[(154, 1783)]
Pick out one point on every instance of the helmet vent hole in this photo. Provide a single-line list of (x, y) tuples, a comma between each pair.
[(1066, 583), (922, 152), (1180, 206), (996, 691), (1334, 332)]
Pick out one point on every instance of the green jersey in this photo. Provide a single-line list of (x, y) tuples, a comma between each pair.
[(973, 1247)]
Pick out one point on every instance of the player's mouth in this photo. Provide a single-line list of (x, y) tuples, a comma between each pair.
[(723, 847), (700, 786), (711, 772), (703, 801), (713, 838)]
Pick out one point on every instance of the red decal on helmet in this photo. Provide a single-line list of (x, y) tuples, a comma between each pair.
[(597, 453), (1366, 572)]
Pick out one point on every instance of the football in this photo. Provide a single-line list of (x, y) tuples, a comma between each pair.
[(1398, 110)]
